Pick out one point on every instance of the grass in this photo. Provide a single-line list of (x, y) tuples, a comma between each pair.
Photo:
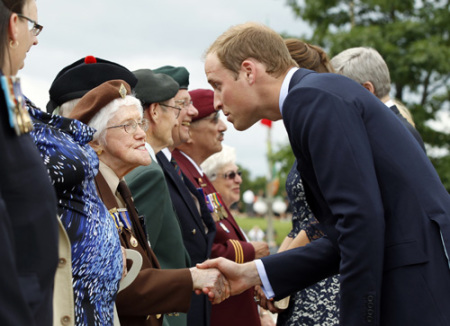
[(281, 227)]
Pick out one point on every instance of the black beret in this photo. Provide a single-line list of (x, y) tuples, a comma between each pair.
[(97, 98), (180, 74), (154, 88), (83, 75)]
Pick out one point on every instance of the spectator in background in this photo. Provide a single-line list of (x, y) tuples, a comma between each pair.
[(368, 68)]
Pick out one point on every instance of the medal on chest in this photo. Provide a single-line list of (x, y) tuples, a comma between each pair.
[(216, 207), (122, 221), (19, 119)]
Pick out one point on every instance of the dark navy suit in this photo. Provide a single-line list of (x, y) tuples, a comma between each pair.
[(384, 209), (197, 242)]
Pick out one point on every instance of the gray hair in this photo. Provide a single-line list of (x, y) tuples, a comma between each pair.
[(364, 64), (100, 120), (215, 162)]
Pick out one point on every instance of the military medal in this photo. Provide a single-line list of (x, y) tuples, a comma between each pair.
[(122, 220), (19, 119)]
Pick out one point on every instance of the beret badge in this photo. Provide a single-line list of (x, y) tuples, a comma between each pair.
[(122, 91)]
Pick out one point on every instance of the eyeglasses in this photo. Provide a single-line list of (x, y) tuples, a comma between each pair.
[(184, 103), (178, 109), (34, 27), (130, 126), (231, 175)]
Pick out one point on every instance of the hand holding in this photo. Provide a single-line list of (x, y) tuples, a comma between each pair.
[(211, 282), (239, 276)]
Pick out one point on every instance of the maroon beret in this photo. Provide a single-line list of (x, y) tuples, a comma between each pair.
[(203, 100), (97, 98)]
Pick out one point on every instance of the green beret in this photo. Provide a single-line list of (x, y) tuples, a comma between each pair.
[(97, 98), (180, 74), (154, 88)]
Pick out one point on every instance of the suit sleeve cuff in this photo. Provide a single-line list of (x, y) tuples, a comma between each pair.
[(266, 287)]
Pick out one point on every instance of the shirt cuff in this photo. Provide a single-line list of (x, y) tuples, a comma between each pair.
[(266, 287)]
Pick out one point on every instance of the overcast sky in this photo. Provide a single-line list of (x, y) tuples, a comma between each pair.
[(149, 34)]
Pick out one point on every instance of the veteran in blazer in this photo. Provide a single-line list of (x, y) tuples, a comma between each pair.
[(120, 144), (205, 139), (153, 195), (385, 212)]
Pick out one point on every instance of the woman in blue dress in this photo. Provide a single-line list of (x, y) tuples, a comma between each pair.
[(96, 254)]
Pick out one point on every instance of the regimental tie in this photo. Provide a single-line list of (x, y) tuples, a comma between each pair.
[(177, 167)]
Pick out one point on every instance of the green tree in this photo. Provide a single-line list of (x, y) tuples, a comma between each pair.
[(413, 38)]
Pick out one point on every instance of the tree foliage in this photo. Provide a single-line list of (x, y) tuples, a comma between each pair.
[(413, 38)]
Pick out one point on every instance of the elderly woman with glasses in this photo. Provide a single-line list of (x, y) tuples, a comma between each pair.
[(120, 145), (224, 174)]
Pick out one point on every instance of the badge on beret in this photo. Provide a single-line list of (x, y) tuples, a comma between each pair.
[(122, 91)]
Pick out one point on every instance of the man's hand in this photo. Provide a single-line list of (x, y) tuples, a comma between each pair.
[(261, 249), (210, 282), (239, 276)]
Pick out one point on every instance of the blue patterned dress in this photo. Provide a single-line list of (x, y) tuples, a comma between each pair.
[(96, 255), (319, 303)]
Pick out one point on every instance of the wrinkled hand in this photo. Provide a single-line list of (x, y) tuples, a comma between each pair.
[(261, 249), (211, 282), (124, 262), (265, 303), (239, 276)]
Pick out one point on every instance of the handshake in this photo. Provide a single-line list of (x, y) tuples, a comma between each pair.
[(221, 278)]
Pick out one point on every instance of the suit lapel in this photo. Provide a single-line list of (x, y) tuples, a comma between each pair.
[(180, 185)]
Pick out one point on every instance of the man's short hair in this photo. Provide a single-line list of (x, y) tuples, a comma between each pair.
[(364, 64), (252, 40)]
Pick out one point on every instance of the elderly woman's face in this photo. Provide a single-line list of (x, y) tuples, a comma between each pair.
[(227, 185), (124, 150)]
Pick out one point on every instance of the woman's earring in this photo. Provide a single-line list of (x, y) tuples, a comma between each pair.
[(13, 44), (99, 152)]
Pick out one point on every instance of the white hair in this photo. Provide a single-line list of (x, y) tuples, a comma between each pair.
[(100, 120), (215, 162), (364, 64), (67, 107)]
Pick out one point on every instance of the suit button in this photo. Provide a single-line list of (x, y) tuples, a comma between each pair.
[(194, 231), (65, 320), (62, 262)]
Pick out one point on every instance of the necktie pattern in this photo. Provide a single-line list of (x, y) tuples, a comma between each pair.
[(176, 167)]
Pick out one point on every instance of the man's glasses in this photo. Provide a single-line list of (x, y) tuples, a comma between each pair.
[(130, 126), (176, 108), (34, 27), (231, 175), (184, 103)]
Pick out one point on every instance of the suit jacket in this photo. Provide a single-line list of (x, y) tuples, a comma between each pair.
[(193, 221), (154, 291), (28, 230), (231, 244), (384, 209)]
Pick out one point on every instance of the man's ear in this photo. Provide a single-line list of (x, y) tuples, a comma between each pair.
[(248, 69), (369, 86), (152, 113)]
